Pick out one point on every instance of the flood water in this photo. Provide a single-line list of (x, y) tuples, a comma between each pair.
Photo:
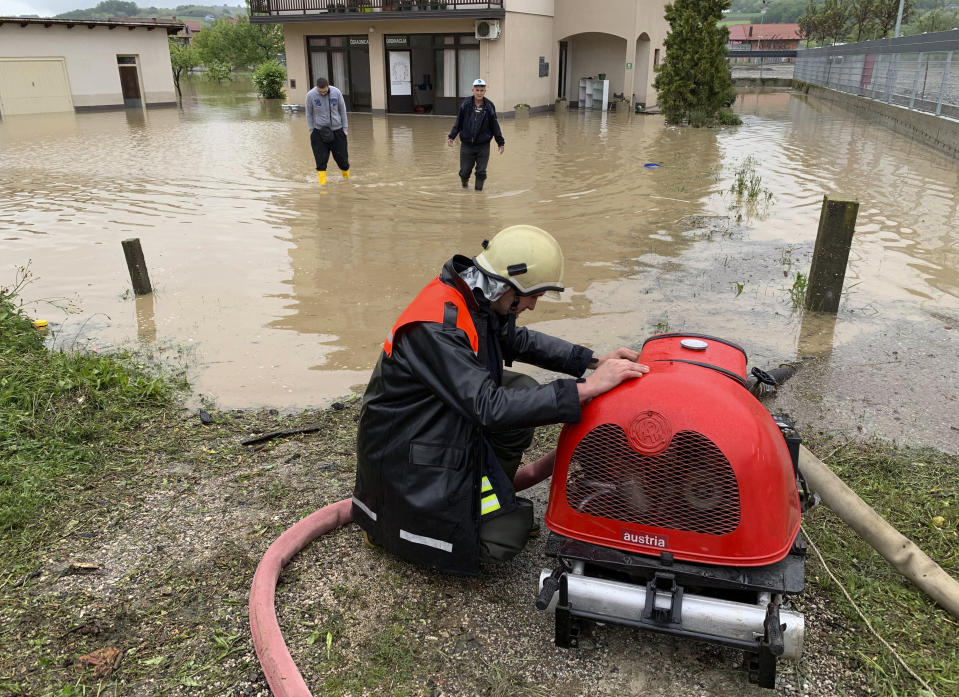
[(277, 292)]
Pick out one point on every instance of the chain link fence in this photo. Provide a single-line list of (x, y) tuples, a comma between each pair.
[(917, 72)]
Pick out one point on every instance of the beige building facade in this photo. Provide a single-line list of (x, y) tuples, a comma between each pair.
[(49, 65), (421, 56)]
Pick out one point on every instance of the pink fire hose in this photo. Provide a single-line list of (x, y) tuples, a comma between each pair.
[(281, 672)]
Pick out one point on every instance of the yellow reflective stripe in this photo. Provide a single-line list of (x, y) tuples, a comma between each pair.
[(488, 504), (486, 485)]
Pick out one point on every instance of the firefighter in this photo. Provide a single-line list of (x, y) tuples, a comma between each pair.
[(443, 426)]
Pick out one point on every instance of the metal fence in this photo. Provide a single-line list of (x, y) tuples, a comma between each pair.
[(916, 72)]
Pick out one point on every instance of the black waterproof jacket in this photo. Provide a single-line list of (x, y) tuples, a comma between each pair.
[(421, 453), (488, 125)]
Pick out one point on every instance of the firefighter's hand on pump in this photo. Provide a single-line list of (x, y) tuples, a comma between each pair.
[(622, 352), (611, 370)]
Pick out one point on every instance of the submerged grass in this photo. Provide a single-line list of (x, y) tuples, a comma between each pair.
[(917, 492), (62, 418)]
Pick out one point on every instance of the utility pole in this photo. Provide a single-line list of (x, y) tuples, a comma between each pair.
[(762, 20), (899, 18)]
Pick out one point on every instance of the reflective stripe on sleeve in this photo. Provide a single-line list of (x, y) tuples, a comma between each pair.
[(488, 504), (486, 485)]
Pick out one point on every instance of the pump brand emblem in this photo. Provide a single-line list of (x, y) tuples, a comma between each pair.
[(649, 432), (645, 539)]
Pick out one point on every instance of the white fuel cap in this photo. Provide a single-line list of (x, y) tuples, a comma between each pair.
[(693, 344)]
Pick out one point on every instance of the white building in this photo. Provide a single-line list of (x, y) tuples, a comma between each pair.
[(72, 64)]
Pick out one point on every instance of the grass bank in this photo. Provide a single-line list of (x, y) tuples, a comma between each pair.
[(130, 523), (65, 418), (917, 492)]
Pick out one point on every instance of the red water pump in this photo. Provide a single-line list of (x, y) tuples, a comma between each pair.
[(675, 507)]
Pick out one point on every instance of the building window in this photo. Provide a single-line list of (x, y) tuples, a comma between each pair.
[(656, 58), (344, 61), (456, 59)]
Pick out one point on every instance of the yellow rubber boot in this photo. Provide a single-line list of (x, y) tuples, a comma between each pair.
[(346, 173), (321, 176)]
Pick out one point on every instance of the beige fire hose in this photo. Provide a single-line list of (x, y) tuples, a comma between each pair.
[(898, 550)]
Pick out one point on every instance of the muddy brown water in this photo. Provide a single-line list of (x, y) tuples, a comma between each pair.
[(276, 292)]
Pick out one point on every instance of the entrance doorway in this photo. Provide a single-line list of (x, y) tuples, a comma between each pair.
[(345, 62), (129, 81), (430, 73)]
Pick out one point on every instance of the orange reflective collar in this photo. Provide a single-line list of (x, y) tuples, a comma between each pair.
[(429, 306)]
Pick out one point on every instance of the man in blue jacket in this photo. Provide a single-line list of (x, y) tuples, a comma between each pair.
[(476, 125)]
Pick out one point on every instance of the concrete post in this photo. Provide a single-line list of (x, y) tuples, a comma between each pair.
[(137, 266), (837, 222)]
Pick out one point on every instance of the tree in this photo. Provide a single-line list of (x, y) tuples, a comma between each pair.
[(863, 15), (887, 12), (218, 72), (809, 23), (117, 8), (785, 11), (239, 44), (827, 21), (694, 82), (935, 20), (182, 58)]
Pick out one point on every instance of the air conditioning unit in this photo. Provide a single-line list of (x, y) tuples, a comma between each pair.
[(487, 29)]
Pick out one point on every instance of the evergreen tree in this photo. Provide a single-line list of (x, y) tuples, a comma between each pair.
[(694, 82)]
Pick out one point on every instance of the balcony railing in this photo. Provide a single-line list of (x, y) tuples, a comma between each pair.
[(342, 9)]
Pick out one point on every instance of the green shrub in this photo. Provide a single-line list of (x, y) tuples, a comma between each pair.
[(728, 118), (218, 72), (269, 78)]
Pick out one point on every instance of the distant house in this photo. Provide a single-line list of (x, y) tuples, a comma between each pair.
[(49, 65), (190, 30), (764, 37)]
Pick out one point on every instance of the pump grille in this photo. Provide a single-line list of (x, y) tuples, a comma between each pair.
[(689, 486)]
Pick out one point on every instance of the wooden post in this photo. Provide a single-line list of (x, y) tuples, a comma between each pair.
[(137, 266), (837, 221)]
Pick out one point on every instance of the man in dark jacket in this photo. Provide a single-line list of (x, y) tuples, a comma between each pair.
[(476, 125), (437, 423)]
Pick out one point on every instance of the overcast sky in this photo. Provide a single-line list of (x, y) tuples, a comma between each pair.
[(46, 8)]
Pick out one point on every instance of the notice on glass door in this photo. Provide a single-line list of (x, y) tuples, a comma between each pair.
[(400, 73)]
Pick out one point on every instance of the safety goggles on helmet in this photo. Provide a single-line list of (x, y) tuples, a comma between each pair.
[(526, 257)]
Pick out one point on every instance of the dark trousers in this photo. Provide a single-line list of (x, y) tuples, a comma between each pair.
[(321, 150), (504, 536), (471, 155), (509, 446)]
